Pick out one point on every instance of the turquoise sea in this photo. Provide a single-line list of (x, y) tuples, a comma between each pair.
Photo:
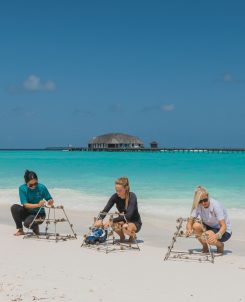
[(163, 182)]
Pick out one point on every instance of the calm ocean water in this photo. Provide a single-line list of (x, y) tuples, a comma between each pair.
[(163, 182)]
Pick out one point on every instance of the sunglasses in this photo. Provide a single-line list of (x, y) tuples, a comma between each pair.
[(203, 200), (32, 185)]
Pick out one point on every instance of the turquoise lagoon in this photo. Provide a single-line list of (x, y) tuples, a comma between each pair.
[(163, 182)]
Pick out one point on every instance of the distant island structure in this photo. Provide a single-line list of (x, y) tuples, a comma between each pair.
[(115, 141), (154, 145), (121, 142)]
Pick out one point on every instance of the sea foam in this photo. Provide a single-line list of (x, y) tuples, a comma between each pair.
[(77, 200)]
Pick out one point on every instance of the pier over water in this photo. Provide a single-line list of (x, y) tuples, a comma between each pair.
[(166, 150)]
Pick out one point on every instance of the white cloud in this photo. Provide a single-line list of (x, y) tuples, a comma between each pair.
[(34, 83), (168, 107)]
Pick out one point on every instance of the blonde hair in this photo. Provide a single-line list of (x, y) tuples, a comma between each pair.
[(199, 192), (124, 182)]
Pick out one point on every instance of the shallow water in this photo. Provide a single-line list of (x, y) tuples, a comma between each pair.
[(163, 182)]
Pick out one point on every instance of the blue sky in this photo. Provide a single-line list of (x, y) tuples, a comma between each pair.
[(171, 71)]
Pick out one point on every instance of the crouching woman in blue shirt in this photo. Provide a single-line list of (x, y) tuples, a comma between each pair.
[(33, 196)]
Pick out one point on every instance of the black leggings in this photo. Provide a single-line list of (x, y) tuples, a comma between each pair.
[(20, 214)]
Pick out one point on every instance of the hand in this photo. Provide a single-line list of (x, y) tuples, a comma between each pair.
[(189, 230), (211, 237), (98, 223), (51, 202), (108, 224), (41, 203)]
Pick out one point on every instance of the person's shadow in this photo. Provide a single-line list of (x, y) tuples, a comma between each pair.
[(226, 252)]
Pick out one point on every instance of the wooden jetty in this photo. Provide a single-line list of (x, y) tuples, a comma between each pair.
[(166, 150)]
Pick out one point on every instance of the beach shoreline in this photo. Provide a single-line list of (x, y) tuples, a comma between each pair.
[(157, 230)]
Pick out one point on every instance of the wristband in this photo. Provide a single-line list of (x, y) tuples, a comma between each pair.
[(219, 235)]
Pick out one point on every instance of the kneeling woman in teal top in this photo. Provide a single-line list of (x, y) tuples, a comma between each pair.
[(33, 196)]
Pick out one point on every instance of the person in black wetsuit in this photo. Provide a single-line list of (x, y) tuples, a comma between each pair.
[(126, 203)]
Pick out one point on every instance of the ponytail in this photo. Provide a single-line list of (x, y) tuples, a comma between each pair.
[(124, 182)]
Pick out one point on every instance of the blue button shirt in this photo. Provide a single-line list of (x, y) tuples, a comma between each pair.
[(33, 196)]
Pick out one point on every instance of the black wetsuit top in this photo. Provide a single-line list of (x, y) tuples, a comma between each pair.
[(131, 214)]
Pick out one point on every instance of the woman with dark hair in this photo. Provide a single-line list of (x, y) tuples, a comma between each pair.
[(129, 222), (33, 196)]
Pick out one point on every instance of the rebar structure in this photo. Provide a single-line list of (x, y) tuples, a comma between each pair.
[(51, 218), (190, 255), (111, 244)]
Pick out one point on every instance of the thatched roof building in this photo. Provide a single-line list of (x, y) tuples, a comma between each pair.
[(115, 141)]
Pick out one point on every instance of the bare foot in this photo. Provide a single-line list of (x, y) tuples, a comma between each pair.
[(131, 239), (20, 232)]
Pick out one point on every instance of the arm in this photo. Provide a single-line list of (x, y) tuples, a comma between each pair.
[(218, 211), (191, 219), (99, 222), (107, 208), (189, 226), (34, 205), (222, 229), (48, 197), (214, 237)]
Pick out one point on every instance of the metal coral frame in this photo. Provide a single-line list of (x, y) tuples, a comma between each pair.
[(111, 243), (48, 220), (190, 255)]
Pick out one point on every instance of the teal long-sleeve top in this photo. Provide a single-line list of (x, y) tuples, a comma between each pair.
[(33, 196)]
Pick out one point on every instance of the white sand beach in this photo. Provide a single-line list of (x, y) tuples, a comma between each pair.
[(39, 270)]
